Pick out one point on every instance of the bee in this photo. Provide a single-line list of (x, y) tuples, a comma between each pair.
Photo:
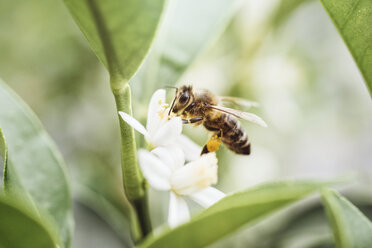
[(201, 107)]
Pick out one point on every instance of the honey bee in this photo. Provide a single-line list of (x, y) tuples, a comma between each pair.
[(201, 107)]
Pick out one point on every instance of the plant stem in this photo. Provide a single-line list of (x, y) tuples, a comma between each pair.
[(134, 183)]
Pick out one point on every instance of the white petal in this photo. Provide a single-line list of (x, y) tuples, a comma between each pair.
[(171, 156), (134, 123), (168, 132), (155, 105), (178, 210), (155, 171), (195, 176), (207, 196), (192, 150)]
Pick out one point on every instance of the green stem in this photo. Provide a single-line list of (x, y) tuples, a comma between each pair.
[(142, 208), (134, 183)]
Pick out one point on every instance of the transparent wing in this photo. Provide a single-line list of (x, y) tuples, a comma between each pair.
[(238, 101), (241, 115)]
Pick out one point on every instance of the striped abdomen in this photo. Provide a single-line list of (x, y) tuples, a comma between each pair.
[(233, 135)]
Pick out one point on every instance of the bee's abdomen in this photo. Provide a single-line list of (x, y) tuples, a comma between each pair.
[(234, 136)]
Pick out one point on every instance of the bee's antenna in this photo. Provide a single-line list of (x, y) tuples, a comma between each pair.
[(174, 99)]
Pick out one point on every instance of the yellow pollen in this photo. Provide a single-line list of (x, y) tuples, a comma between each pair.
[(214, 143), (163, 109), (161, 114)]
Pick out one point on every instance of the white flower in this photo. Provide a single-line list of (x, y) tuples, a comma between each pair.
[(164, 169), (162, 131)]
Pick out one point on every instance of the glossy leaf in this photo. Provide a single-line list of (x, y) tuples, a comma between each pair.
[(189, 27), (119, 31), (353, 20), (351, 229), (232, 212), (34, 163), (21, 228)]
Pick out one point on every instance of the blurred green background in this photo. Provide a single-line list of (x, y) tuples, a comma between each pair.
[(286, 55)]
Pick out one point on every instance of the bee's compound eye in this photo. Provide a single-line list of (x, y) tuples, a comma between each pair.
[(184, 98)]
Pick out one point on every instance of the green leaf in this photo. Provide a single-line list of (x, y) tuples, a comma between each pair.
[(232, 212), (353, 20), (20, 225), (350, 227), (9, 174), (119, 31), (34, 163), (21, 228), (189, 27), (3, 149)]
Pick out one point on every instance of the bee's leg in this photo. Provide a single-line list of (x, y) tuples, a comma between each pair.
[(193, 120), (213, 143)]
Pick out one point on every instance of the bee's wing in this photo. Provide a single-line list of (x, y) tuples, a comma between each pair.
[(242, 115), (240, 101)]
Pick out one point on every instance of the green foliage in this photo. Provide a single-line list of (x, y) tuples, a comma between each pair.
[(21, 216), (351, 228), (353, 20), (21, 228), (3, 149), (119, 32), (231, 213), (34, 164)]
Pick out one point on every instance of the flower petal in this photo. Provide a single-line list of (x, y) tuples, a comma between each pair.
[(178, 210), (196, 175), (207, 196), (134, 123), (155, 171), (172, 156), (191, 149), (168, 132), (155, 105)]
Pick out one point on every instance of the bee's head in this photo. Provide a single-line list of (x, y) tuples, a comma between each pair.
[(184, 97)]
